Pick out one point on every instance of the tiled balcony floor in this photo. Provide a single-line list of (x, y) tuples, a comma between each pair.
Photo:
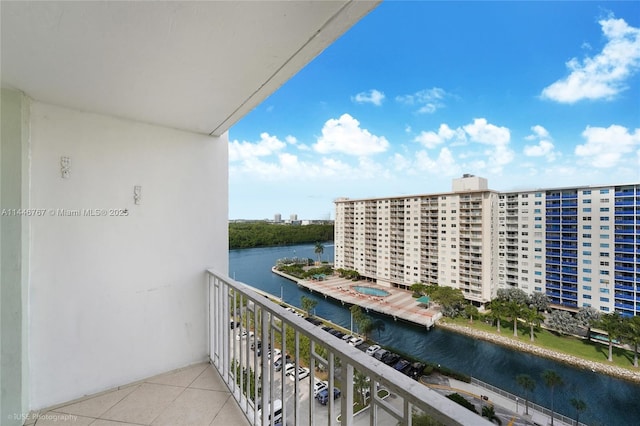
[(192, 396)]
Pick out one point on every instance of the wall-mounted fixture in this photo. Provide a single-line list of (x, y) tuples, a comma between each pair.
[(137, 194), (65, 167)]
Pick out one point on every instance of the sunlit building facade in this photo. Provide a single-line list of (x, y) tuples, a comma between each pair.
[(578, 245)]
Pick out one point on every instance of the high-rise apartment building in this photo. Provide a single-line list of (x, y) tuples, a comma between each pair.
[(580, 246)]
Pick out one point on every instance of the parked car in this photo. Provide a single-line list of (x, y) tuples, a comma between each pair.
[(277, 362), (355, 341), (415, 372), (390, 358), (323, 395), (277, 412), (244, 335), (234, 324), (289, 368), (319, 386), (300, 374), (402, 365), (276, 352), (380, 354), (347, 337), (339, 334), (371, 350)]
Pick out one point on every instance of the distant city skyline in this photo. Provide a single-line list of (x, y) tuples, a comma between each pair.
[(526, 94)]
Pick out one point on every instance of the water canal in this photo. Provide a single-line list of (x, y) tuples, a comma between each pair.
[(610, 401)]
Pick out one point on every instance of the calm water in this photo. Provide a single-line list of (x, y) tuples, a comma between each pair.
[(609, 401)]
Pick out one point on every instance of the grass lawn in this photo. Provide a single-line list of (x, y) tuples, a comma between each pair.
[(581, 348)]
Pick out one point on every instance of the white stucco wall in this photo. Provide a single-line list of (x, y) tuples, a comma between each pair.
[(115, 299)]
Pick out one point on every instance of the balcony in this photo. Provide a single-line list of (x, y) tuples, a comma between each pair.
[(253, 381)]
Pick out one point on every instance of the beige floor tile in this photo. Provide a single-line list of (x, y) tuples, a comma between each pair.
[(182, 377), (194, 407), (98, 405), (53, 418), (210, 379), (143, 404), (230, 414), (101, 422)]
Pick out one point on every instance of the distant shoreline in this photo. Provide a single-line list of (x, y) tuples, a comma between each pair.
[(611, 370)]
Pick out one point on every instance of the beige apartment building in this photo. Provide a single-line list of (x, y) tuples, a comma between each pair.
[(578, 245)]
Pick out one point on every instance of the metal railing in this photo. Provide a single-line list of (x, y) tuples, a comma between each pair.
[(532, 405), (255, 381)]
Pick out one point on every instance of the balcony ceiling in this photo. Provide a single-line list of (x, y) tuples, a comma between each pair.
[(196, 66)]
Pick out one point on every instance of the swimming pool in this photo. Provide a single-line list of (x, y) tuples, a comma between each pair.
[(370, 291)]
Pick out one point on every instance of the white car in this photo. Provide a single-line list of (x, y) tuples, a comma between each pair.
[(300, 374), (347, 337), (289, 368), (355, 341), (276, 353), (318, 387), (372, 349)]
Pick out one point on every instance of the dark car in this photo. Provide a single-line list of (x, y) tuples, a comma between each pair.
[(381, 353), (323, 395), (390, 358), (339, 334), (415, 372), (402, 365)]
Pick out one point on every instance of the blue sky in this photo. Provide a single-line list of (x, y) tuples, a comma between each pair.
[(526, 94)]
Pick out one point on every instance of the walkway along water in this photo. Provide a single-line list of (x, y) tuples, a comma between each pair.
[(610, 401)]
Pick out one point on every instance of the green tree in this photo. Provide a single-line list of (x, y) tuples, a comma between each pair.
[(612, 324), (552, 380), (470, 312), (418, 289), (360, 386), (490, 413), (513, 310), (450, 299), (318, 250), (533, 318), (513, 294), (528, 385), (632, 335), (580, 406), (539, 300), (497, 312), (308, 304)]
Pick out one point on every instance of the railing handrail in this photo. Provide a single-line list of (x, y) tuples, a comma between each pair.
[(533, 405), (413, 393)]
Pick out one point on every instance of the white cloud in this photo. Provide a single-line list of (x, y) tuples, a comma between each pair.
[(428, 100), (607, 147), (344, 135), (603, 75), (431, 139), (444, 164), (483, 132), (267, 145), (373, 96), (544, 147)]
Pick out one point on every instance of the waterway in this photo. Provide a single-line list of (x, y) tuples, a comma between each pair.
[(610, 401)]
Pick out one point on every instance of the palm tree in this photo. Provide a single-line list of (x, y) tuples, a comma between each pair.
[(470, 311), (612, 324), (632, 335), (579, 405), (551, 380), (360, 384), (319, 249), (533, 318), (490, 413), (513, 310), (528, 384), (497, 312)]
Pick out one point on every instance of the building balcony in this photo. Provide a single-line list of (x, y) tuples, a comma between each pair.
[(238, 365)]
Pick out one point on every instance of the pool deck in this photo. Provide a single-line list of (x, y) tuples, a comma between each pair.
[(399, 304)]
